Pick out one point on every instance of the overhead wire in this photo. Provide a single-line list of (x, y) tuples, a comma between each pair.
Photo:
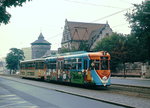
[(98, 18), (110, 15), (92, 4), (119, 25), (124, 1)]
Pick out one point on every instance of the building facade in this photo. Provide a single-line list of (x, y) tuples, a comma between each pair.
[(27, 53), (3, 69), (75, 34), (40, 47)]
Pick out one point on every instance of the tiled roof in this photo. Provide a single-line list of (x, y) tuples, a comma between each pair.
[(81, 30)]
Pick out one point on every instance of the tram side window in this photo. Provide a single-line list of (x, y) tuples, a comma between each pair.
[(51, 65), (67, 64), (60, 64), (85, 64), (22, 66), (73, 65), (36, 65), (41, 65), (79, 60), (48, 65), (79, 64), (30, 65), (26, 65)]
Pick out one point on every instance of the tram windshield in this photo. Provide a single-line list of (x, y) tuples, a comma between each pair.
[(95, 64), (99, 64), (104, 64)]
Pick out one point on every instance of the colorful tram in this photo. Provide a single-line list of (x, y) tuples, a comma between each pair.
[(80, 68)]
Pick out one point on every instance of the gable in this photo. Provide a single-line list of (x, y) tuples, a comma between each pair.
[(82, 31)]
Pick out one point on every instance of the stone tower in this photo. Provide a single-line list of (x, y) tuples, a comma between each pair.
[(40, 47)]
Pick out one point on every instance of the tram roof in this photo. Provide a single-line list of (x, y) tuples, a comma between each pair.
[(67, 55), (77, 54), (38, 59)]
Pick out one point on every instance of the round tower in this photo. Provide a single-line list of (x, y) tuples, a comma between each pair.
[(40, 47)]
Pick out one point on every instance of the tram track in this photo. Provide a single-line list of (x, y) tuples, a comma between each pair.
[(126, 90), (131, 90), (68, 91), (116, 87)]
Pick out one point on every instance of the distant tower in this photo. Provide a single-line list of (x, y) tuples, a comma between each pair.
[(40, 47)]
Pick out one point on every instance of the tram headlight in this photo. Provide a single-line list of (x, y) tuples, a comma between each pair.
[(104, 78)]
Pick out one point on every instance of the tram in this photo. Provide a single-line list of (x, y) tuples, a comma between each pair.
[(34, 68), (77, 67)]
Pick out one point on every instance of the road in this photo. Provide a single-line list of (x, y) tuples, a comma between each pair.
[(20, 95)]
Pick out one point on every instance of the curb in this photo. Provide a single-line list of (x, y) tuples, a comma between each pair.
[(72, 93)]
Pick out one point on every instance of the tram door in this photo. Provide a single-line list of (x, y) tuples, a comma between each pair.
[(60, 70), (89, 68)]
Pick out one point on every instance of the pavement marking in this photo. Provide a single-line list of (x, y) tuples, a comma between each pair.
[(7, 95), (30, 106), (13, 98), (15, 101), (19, 102)]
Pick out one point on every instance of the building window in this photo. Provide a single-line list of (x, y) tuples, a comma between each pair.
[(107, 34)]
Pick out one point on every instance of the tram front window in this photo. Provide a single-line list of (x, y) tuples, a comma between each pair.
[(95, 64), (104, 64)]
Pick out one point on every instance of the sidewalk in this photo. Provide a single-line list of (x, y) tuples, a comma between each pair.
[(131, 81)]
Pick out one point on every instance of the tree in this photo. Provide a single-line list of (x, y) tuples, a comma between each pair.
[(139, 21), (13, 59), (116, 46), (66, 50), (4, 4), (83, 46), (134, 49)]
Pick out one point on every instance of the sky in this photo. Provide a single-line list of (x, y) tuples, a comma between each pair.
[(48, 17)]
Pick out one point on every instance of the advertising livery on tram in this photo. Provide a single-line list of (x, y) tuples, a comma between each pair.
[(78, 67)]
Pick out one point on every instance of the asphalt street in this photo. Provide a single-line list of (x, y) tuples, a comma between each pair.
[(18, 95)]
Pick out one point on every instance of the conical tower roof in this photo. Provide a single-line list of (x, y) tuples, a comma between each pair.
[(41, 41)]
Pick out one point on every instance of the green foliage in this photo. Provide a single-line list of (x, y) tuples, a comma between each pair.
[(13, 59), (83, 46), (65, 50), (122, 48), (4, 4), (139, 20), (134, 49)]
